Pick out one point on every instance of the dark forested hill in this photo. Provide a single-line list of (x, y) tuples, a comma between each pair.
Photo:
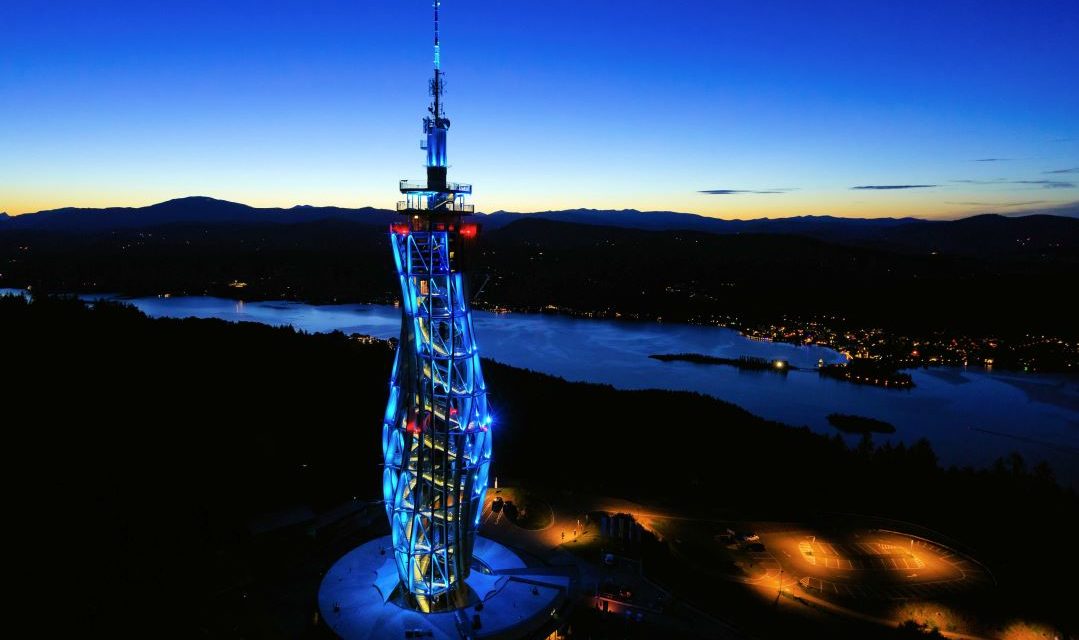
[(140, 452), (987, 273), (1038, 238), (685, 275)]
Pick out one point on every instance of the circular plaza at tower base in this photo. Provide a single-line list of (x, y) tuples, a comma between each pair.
[(360, 597)]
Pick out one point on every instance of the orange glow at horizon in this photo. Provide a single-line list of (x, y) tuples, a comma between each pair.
[(840, 204)]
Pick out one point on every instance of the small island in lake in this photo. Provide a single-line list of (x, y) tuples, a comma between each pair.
[(749, 363), (859, 424), (870, 372)]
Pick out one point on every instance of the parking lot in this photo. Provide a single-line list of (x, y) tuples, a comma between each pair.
[(868, 564)]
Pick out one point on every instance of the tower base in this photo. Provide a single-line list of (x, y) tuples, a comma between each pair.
[(360, 597)]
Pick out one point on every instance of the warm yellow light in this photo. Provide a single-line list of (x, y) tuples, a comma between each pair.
[(1028, 631)]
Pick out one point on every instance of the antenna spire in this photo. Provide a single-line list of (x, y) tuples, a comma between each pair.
[(436, 82), (438, 61)]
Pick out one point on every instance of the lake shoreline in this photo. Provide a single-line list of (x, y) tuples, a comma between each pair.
[(945, 407)]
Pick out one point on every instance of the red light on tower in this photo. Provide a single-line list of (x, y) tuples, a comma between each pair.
[(400, 228), (469, 230)]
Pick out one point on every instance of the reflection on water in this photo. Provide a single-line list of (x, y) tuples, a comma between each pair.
[(949, 375), (971, 416)]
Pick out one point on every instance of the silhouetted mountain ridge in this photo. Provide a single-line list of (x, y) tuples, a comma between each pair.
[(989, 234), (192, 209), (826, 226), (1033, 237), (534, 262)]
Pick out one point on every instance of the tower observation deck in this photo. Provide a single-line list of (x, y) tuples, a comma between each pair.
[(436, 434)]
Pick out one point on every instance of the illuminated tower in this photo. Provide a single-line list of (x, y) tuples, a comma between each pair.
[(436, 435)]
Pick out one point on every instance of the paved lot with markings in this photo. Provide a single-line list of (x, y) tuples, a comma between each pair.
[(870, 565)]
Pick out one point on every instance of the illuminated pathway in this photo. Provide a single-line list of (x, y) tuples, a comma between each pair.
[(876, 565), (857, 574), (864, 570), (547, 543)]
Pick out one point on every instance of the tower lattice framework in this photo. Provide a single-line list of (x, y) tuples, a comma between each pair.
[(436, 435)]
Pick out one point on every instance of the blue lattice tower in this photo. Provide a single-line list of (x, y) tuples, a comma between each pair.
[(436, 434)]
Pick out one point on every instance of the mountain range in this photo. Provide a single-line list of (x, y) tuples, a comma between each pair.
[(976, 235), (985, 273), (190, 210)]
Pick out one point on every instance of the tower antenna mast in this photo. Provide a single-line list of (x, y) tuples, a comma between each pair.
[(436, 83), (437, 429)]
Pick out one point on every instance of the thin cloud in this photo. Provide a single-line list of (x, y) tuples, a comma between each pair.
[(1047, 184), (1072, 170), (1069, 209), (992, 159), (731, 192), (1044, 184), (886, 187), (1000, 204)]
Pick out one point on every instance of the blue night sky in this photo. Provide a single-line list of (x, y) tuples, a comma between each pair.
[(781, 108)]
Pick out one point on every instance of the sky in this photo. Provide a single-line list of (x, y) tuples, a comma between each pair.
[(727, 108)]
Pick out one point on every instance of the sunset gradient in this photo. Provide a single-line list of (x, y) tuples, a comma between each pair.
[(783, 108)]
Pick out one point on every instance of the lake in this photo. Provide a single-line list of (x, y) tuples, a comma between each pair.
[(971, 416)]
